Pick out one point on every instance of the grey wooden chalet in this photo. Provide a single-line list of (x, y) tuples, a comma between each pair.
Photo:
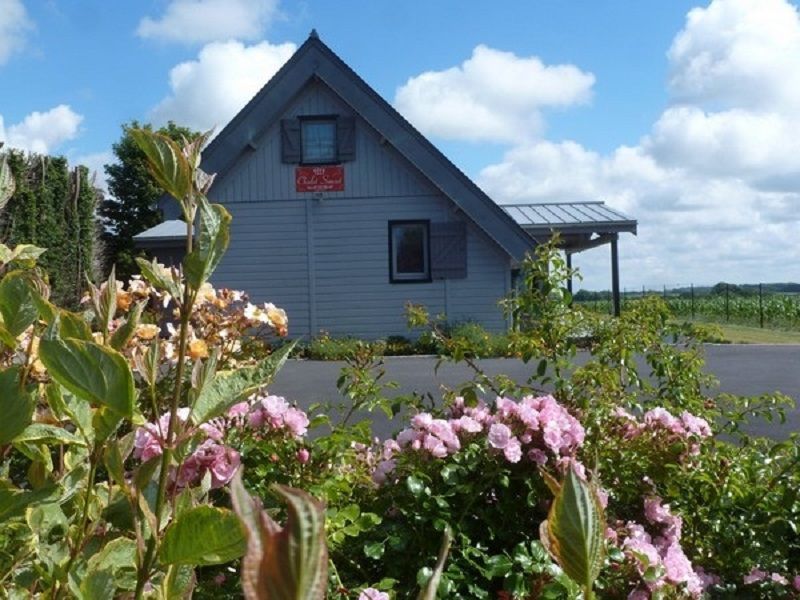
[(343, 211)]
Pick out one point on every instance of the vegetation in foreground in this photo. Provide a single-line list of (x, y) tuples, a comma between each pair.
[(126, 423)]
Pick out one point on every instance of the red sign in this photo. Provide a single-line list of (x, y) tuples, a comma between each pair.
[(319, 179)]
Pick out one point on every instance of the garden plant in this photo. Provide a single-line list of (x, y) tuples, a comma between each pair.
[(143, 455)]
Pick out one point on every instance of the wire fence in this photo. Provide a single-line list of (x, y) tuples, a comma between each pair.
[(759, 305)]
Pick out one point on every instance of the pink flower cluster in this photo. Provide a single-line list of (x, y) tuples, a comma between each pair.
[(276, 413), (260, 414), (529, 428), (757, 575), (659, 421), (662, 550), (212, 457)]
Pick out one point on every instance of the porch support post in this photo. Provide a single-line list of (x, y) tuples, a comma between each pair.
[(569, 268), (615, 276)]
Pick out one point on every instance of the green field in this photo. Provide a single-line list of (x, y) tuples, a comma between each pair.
[(767, 311)]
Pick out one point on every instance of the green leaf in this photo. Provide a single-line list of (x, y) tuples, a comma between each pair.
[(117, 557), (92, 372), (17, 307), (16, 405), (179, 583), (123, 334), (160, 277), (44, 433), (283, 563), (72, 325), (7, 185), (415, 485), (230, 387), (98, 585), (204, 535), (167, 163), (374, 550), (573, 531), (212, 241), (13, 502)]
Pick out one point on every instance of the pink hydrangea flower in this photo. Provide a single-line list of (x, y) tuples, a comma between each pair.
[(373, 594), (796, 582), (303, 456)]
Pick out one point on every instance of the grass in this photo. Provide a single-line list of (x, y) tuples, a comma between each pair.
[(741, 334)]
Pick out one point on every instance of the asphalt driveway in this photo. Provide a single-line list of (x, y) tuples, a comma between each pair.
[(741, 369)]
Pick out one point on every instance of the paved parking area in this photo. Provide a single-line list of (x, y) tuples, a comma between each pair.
[(741, 369)]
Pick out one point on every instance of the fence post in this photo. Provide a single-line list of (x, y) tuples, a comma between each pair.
[(727, 302), (761, 305), (691, 294)]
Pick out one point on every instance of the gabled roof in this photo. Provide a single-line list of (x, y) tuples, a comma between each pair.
[(314, 60)]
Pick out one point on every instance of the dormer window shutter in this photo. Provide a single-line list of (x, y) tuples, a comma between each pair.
[(449, 250), (291, 146), (346, 138)]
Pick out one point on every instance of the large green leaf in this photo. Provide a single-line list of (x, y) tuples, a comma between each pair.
[(92, 372), (289, 563), (17, 306), (573, 531), (7, 185), (44, 433), (212, 241), (168, 165), (72, 325), (204, 535), (13, 502), (229, 387), (117, 557), (16, 405)]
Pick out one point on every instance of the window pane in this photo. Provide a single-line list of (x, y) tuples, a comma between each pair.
[(410, 251), (319, 141)]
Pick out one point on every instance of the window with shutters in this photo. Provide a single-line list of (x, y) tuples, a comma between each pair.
[(318, 139), (409, 251)]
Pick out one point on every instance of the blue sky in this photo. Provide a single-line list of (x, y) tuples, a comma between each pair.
[(683, 119)]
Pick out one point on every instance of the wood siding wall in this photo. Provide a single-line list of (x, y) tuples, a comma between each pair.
[(326, 260)]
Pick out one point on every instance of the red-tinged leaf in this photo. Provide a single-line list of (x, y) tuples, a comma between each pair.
[(289, 563)]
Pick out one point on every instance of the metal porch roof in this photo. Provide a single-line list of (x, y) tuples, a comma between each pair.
[(570, 217)]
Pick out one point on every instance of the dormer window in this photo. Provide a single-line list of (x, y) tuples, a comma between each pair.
[(318, 141)]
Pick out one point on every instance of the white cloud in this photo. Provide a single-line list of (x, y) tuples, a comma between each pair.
[(200, 21), (14, 25), (209, 91), (715, 183), (492, 96), (42, 131)]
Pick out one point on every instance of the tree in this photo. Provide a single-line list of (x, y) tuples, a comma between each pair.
[(53, 206), (132, 204)]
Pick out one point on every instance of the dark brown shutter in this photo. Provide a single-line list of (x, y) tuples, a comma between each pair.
[(291, 146), (449, 250), (346, 138)]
